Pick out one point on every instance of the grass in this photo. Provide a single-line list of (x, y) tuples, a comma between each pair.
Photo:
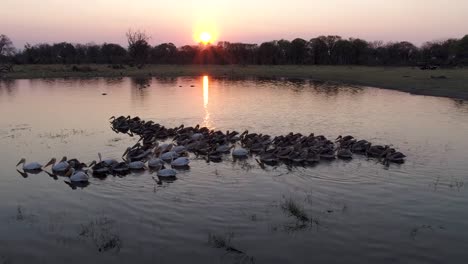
[(294, 209), (406, 79)]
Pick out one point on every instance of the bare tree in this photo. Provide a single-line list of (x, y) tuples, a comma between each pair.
[(6, 46), (138, 46), (6, 50)]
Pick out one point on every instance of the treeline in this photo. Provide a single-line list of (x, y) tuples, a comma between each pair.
[(323, 50)]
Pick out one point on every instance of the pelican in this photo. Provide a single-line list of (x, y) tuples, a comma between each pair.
[(197, 136), (33, 166), (344, 153), (108, 162), (62, 166), (268, 158), (99, 168), (240, 153), (155, 163), (120, 167), (163, 148), (136, 154), (167, 173), (180, 162), (169, 156), (76, 164), (179, 149), (214, 157), (77, 176), (137, 165), (224, 148)]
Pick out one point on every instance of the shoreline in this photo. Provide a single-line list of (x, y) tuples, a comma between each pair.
[(453, 83)]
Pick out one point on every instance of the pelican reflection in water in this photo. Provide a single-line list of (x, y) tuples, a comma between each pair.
[(206, 95)]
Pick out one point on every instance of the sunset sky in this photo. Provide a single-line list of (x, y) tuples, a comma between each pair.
[(231, 20)]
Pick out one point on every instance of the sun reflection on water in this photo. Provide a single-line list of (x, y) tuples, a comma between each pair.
[(206, 84)]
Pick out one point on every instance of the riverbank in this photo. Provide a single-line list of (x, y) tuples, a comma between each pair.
[(451, 83)]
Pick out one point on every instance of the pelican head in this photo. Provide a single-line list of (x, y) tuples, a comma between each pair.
[(51, 162), (99, 155), (63, 159), (22, 161)]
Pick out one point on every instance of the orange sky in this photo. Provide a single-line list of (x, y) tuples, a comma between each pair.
[(233, 20)]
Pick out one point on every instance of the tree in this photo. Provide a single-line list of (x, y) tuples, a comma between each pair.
[(319, 51), (268, 53), (164, 53), (7, 50), (462, 50), (6, 46), (138, 46), (113, 53), (299, 52), (64, 52)]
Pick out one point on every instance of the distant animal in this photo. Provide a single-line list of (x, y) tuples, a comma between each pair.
[(32, 166)]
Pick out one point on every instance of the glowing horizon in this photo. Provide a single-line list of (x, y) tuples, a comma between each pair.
[(245, 21)]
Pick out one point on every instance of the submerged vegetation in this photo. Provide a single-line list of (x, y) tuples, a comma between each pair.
[(294, 209)]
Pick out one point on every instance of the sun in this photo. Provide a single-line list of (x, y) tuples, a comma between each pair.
[(205, 37)]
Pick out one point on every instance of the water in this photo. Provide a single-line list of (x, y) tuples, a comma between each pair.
[(361, 211)]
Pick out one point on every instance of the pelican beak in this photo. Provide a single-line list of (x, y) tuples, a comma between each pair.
[(52, 161), (19, 163), (69, 173)]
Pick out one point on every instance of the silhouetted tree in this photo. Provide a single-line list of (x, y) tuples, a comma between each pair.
[(462, 50), (138, 46), (7, 49), (299, 51), (113, 53), (319, 51), (64, 52), (6, 46), (322, 50), (163, 53), (268, 53)]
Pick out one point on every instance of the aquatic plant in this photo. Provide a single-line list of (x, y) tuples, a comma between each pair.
[(103, 234), (295, 209)]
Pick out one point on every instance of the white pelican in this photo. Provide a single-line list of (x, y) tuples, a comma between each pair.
[(240, 153), (169, 156), (33, 166), (99, 168), (136, 165), (120, 167), (167, 173), (163, 148), (180, 162), (62, 166), (77, 176), (224, 148), (155, 163), (108, 162), (179, 149), (197, 136)]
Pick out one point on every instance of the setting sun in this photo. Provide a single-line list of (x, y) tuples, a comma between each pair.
[(205, 37)]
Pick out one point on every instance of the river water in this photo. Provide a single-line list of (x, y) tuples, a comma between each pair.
[(233, 212)]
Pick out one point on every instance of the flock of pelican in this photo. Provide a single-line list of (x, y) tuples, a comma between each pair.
[(211, 145), (214, 145)]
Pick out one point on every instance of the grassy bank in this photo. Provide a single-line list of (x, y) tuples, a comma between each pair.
[(412, 80)]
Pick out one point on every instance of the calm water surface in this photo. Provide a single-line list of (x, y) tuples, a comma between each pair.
[(362, 212)]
